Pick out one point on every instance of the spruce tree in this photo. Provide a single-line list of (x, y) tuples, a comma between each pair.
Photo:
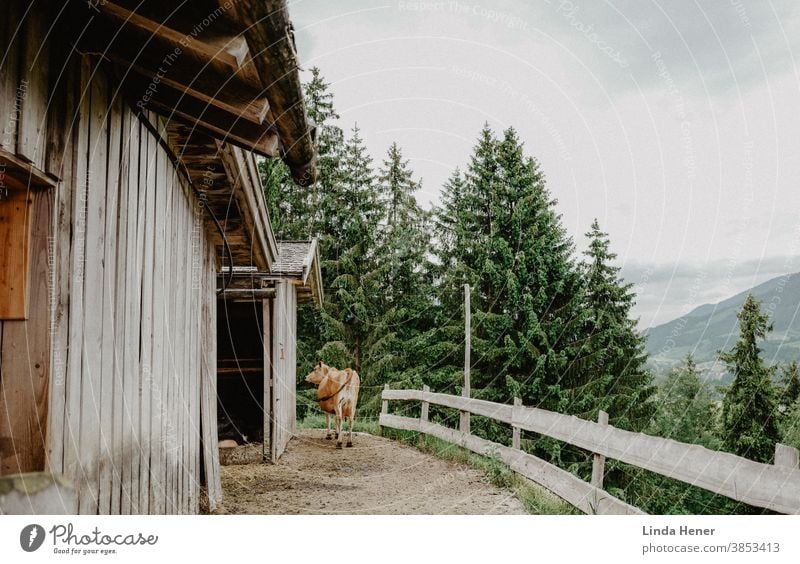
[(686, 410), (350, 257), (749, 409), (499, 232), (791, 386), (404, 275), (613, 376)]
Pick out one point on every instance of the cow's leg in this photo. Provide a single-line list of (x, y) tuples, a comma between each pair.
[(350, 435), (328, 425), (338, 426)]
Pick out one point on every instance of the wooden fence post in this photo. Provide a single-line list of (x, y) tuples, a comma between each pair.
[(424, 413), (385, 402), (515, 436), (787, 456), (599, 461), (384, 410), (463, 424)]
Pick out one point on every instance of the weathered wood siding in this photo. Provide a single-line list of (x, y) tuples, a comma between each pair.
[(130, 410), (105, 380), (25, 344), (284, 366)]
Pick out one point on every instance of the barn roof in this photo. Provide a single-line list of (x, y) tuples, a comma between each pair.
[(223, 76), (228, 68)]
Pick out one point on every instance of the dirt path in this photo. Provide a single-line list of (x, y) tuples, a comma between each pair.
[(376, 476)]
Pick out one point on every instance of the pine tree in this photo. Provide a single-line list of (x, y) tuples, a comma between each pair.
[(686, 410), (612, 365), (749, 409), (350, 261), (499, 232), (791, 425), (791, 385), (405, 289)]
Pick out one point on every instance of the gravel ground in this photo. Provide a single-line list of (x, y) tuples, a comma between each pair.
[(376, 476)]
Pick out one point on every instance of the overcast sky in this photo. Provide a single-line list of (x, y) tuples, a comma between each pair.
[(676, 124)]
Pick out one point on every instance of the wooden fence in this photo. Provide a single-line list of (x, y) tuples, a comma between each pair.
[(771, 486)]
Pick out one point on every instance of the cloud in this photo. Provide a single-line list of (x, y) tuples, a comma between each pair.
[(709, 45), (667, 291)]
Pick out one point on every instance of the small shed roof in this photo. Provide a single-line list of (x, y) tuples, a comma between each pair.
[(296, 260), (300, 260)]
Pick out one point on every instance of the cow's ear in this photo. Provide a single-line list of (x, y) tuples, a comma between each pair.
[(319, 363)]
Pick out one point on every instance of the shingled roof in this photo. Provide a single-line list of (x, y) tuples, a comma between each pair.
[(292, 257), (300, 259)]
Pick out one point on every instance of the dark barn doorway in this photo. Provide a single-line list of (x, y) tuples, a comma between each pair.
[(240, 371)]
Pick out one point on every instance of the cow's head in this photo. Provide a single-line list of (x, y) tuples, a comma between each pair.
[(318, 374)]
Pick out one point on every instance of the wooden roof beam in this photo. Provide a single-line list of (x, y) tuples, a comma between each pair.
[(184, 62), (268, 31), (210, 119)]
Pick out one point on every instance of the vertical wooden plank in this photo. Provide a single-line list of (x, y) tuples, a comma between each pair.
[(385, 402), (118, 158), (266, 327), (187, 350), (515, 431), (158, 488), (177, 311), (170, 336), (92, 367), (184, 294), (185, 319), (62, 245), (291, 363), (108, 375), (293, 366), (131, 309), (34, 82), (598, 460), (209, 387), (77, 279), (464, 426), (281, 393), (26, 356), (194, 396), (277, 367), (59, 105), (11, 34), (423, 415), (147, 186)]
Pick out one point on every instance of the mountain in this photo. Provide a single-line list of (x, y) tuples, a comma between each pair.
[(712, 327)]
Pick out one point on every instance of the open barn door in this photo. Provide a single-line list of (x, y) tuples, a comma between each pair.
[(284, 344)]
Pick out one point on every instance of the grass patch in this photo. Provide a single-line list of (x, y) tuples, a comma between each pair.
[(535, 499)]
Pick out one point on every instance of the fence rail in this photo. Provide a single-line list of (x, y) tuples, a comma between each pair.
[(770, 486)]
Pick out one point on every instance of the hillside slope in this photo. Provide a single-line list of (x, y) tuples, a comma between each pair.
[(713, 327)]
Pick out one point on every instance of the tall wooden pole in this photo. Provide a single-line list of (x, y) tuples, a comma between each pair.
[(464, 422)]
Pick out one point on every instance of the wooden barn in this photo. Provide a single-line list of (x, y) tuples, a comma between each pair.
[(129, 197), (257, 347)]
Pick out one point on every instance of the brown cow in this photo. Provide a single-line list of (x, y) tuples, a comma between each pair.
[(337, 393)]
